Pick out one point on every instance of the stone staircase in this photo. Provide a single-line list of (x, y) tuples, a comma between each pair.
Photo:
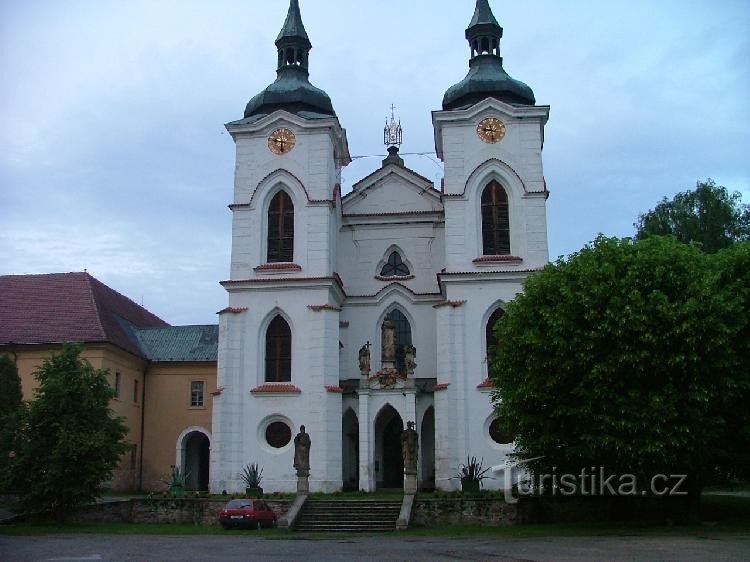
[(350, 516)]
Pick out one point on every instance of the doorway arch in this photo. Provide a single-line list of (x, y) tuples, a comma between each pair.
[(389, 462), (194, 454), (350, 451)]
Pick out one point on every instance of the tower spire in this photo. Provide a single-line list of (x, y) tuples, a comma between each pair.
[(293, 43), (484, 32), (292, 90), (487, 77)]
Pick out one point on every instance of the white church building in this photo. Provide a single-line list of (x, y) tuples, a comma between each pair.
[(315, 276)]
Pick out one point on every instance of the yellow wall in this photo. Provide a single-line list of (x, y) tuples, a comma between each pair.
[(101, 356), (169, 414)]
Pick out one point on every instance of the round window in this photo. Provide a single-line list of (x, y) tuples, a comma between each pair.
[(278, 434), (500, 434)]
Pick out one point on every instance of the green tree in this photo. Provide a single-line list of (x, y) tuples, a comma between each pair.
[(72, 441), (616, 357), (10, 386), (708, 216), (11, 419), (731, 284)]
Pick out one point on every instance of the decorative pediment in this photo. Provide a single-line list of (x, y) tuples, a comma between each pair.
[(392, 189)]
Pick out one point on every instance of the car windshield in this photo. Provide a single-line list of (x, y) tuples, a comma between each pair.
[(238, 504)]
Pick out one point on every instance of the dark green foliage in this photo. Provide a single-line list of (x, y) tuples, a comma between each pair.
[(709, 217), (11, 420), (10, 386), (628, 355), (72, 440)]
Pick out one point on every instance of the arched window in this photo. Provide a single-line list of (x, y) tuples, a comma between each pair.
[(278, 351), (281, 229), (495, 220), (395, 266), (403, 337), (489, 333)]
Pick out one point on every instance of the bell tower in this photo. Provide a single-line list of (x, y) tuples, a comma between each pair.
[(490, 135), (279, 333)]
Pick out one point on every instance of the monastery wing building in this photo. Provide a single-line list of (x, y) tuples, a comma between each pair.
[(356, 315)]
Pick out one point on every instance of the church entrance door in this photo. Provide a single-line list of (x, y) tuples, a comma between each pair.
[(388, 458)]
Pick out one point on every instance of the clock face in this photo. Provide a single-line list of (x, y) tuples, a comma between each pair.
[(491, 130), (281, 141)]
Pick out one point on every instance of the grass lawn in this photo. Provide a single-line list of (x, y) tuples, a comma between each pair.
[(719, 514)]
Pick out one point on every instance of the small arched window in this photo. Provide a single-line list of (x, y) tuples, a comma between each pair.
[(278, 351), (403, 337), (281, 229), (395, 266), (489, 333), (495, 221)]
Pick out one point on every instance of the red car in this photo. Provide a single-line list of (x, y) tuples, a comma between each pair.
[(253, 514)]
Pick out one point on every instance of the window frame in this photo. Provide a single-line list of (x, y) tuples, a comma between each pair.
[(193, 403), (280, 217), (494, 214), (118, 384), (394, 267), (277, 362)]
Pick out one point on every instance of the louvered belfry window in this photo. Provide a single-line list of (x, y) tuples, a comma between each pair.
[(281, 229), (394, 267), (278, 351), (495, 220)]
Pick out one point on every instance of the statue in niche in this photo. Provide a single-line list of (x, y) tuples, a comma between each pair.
[(364, 359), (410, 356), (302, 452), (389, 341), (410, 448)]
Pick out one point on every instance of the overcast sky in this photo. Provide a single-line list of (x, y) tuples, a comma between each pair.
[(114, 156)]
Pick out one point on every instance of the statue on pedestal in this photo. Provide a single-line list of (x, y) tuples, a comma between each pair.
[(410, 448), (410, 356), (389, 343), (302, 453), (364, 359)]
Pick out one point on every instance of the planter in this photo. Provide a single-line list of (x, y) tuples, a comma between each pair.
[(177, 491), (256, 492), (469, 486)]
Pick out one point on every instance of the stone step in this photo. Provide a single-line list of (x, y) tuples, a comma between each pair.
[(348, 516)]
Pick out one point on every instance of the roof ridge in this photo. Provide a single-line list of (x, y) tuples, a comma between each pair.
[(97, 311)]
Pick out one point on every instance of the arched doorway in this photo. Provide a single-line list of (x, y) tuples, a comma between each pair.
[(350, 451), (195, 460), (389, 463), (427, 441)]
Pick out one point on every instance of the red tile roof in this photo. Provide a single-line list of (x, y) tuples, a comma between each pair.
[(68, 307), (486, 383)]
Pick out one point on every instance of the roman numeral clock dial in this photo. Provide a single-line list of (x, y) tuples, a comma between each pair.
[(281, 141), (491, 130)]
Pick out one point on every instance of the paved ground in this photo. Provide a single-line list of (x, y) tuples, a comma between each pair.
[(153, 548)]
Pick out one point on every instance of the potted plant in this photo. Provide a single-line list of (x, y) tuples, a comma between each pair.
[(471, 474), (176, 481), (252, 475)]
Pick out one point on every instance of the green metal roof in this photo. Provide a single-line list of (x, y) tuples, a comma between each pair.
[(179, 343), (293, 26), (487, 77), (483, 14)]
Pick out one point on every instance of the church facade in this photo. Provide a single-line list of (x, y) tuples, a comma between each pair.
[(356, 315)]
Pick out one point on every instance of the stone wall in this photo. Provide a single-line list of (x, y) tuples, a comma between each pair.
[(463, 511), (164, 510)]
